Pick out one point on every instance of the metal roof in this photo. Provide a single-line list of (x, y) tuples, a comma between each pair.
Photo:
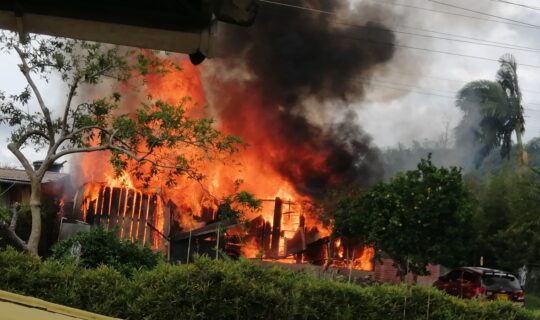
[(19, 176)]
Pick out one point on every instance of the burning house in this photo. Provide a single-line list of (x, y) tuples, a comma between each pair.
[(286, 89), (280, 236)]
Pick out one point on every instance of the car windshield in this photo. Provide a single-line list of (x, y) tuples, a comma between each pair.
[(500, 282)]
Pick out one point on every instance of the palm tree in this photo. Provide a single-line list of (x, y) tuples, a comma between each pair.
[(508, 79), (493, 112)]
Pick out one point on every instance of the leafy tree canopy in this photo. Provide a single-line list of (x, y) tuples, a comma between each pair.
[(507, 220), (492, 112), (419, 217)]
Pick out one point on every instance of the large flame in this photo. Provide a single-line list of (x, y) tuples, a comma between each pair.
[(253, 166)]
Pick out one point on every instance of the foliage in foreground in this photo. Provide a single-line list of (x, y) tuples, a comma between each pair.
[(210, 289), (102, 247)]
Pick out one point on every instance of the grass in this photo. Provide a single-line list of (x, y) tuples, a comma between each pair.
[(532, 301)]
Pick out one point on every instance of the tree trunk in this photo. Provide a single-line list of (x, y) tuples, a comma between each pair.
[(522, 154), (35, 208), (12, 236)]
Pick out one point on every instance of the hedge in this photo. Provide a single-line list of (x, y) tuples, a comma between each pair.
[(208, 289), (100, 246)]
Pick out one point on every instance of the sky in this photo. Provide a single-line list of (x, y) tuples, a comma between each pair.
[(393, 115), (410, 98)]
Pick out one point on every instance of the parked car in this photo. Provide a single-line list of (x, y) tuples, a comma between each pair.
[(482, 283)]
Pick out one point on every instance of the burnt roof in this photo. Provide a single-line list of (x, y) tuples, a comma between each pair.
[(19, 176), (208, 229)]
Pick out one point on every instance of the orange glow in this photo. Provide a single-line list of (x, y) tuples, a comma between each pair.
[(365, 262), (199, 201), (251, 250)]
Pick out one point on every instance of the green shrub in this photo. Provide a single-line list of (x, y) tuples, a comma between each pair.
[(101, 247), (208, 289), (532, 301)]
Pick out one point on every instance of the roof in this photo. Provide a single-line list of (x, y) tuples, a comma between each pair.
[(208, 229), (20, 176), (482, 270), (15, 306), (173, 25)]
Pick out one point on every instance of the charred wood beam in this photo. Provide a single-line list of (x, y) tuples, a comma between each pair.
[(121, 211), (106, 206), (128, 213), (99, 206), (276, 231), (90, 212), (144, 218), (114, 207), (136, 217)]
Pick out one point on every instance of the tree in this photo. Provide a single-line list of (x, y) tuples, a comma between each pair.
[(83, 124), (493, 111), (508, 79), (508, 219), (419, 217)]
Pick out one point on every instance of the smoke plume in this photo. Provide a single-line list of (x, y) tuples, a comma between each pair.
[(300, 71)]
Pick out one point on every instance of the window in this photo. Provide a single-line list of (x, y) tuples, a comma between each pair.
[(500, 282), (469, 276), (454, 275)]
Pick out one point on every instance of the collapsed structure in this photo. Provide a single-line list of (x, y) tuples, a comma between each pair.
[(144, 218)]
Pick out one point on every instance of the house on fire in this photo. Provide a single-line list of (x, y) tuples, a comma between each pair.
[(15, 188), (145, 218)]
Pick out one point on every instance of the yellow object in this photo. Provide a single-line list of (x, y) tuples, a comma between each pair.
[(18, 307), (502, 297)]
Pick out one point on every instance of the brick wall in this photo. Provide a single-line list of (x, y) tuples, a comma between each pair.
[(386, 272)]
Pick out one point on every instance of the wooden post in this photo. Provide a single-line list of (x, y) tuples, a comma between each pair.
[(276, 228), (217, 242), (189, 245), (99, 206), (351, 263)]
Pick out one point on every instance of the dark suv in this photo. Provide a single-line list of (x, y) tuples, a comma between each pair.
[(484, 283)]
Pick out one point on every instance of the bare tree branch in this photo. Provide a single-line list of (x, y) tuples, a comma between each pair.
[(10, 229), (65, 137), (71, 94), (20, 156), (15, 211), (79, 150), (25, 69), (28, 134)]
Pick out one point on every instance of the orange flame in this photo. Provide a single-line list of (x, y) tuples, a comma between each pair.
[(253, 166)]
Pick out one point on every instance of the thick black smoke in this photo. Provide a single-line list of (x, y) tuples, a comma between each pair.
[(294, 57)]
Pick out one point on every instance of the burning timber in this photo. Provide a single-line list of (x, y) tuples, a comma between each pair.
[(280, 236), (132, 212)]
